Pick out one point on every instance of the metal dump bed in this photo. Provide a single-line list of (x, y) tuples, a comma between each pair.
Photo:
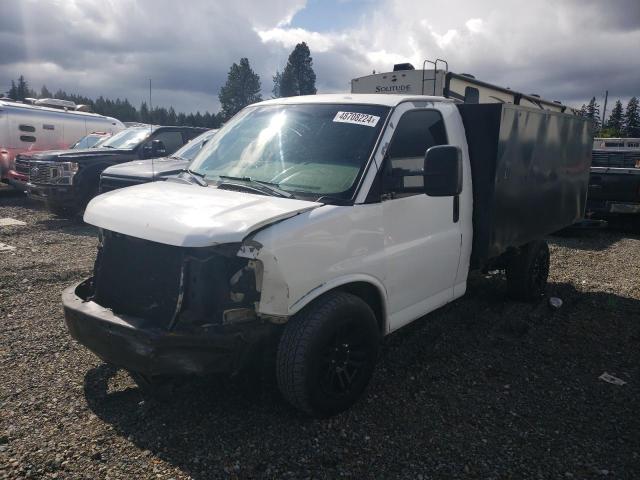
[(530, 171)]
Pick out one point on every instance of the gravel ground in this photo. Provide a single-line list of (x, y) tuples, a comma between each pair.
[(483, 388)]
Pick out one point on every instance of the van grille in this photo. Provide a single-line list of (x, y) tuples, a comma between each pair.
[(146, 279), (138, 277)]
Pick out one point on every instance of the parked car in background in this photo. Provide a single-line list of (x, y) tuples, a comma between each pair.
[(143, 171), (22, 163), (318, 224), (45, 125), (614, 183), (93, 140), (67, 179)]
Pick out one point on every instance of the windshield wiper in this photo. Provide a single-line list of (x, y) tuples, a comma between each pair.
[(270, 187), (196, 176), (106, 146)]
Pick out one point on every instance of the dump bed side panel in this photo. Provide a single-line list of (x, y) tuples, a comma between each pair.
[(530, 171)]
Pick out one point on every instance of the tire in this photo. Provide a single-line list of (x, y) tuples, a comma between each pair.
[(528, 272), (327, 354)]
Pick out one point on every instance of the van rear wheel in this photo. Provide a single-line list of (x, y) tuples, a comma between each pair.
[(528, 272), (327, 354)]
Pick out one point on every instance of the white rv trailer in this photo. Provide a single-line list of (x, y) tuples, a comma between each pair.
[(29, 128), (601, 143), (441, 82)]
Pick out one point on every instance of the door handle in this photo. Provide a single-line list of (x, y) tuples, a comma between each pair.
[(456, 208)]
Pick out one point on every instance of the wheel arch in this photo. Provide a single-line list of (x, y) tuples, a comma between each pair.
[(368, 288)]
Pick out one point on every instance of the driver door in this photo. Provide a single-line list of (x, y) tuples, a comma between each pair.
[(422, 237)]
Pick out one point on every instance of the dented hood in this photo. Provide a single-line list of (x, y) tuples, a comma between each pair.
[(188, 215)]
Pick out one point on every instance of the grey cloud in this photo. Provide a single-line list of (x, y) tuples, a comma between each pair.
[(567, 50)]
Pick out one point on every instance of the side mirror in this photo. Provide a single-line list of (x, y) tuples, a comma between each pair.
[(153, 149), (158, 149), (443, 171)]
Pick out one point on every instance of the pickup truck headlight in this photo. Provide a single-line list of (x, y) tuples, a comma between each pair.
[(64, 173)]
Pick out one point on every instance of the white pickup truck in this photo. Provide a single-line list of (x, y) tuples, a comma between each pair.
[(323, 223)]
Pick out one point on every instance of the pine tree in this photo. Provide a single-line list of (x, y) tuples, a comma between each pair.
[(616, 120), (13, 91), (172, 117), (144, 113), (632, 119), (22, 91), (298, 77), (593, 113), (242, 89), (277, 80), (44, 92)]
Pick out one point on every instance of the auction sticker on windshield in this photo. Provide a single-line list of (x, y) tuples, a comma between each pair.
[(357, 118)]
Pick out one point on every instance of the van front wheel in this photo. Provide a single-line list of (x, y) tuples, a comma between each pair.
[(327, 354)]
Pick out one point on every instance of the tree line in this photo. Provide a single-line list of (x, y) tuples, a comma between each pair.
[(623, 121), (121, 109), (242, 88)]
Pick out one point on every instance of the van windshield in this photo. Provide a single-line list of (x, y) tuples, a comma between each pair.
[(127, 139), (308, 150)]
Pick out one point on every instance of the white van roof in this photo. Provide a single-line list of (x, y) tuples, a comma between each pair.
[(355, 98)]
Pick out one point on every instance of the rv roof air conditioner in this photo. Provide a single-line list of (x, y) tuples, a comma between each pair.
[(403, 66)]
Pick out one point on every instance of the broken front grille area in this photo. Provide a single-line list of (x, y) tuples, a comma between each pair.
[(171, 287)]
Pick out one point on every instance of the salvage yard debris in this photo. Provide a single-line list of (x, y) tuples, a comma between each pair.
[(7, 222), (6, 248), (607, 377), (555, 302)]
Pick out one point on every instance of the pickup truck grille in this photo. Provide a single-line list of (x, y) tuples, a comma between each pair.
[(615, 159), (40, 172), (22, 166)]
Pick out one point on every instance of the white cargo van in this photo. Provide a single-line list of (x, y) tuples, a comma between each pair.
[(32, 128), (323, 223)]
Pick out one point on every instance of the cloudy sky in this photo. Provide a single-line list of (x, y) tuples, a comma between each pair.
[(563, 49)]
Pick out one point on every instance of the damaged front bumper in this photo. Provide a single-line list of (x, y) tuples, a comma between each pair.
[(130, 343)]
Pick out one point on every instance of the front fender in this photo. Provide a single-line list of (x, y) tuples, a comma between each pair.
[(275, 294), (316, 292)]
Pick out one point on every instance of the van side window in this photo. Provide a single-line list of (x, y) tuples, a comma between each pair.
[(471, 95), (28, 138), (27, 128), (417, 131)]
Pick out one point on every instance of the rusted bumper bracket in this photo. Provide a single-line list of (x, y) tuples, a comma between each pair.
[(129, 343)]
